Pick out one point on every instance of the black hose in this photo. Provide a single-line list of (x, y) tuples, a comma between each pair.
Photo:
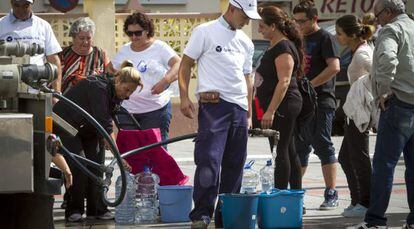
[(118, 158), (168, 141), (113, 148), (261, 132), (90, 163), (67, 153)]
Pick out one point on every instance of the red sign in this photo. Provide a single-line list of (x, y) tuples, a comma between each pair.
[(332, 9)]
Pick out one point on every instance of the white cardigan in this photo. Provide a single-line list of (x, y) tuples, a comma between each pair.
[(360, 105)]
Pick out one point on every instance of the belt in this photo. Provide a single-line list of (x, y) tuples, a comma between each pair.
[(209, 97)]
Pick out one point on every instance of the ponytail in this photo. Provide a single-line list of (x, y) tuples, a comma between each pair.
[(367, 31), (293, 33)]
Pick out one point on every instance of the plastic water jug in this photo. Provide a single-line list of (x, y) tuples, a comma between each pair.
[(146, 197), (250, 179), (125, 211), (267, 176)]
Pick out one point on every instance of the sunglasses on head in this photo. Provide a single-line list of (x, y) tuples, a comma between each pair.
[(137, 33)]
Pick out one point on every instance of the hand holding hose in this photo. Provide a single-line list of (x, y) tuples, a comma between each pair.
[(126, 165)]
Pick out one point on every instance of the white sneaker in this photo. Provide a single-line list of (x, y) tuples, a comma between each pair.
[(357, 211), (406, 226), (75, 217), (364, 225)]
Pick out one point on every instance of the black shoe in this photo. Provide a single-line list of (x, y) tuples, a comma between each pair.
[(64, 204)]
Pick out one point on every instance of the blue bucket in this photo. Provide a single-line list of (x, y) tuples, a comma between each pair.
[(280, 209), (175, 203), (239, 210)]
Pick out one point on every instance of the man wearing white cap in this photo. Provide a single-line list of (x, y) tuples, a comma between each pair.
[(224, 58), (22, 25)]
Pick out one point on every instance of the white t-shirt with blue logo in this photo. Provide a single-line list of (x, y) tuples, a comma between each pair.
[(32, 30), (152, 63), (223, 58)]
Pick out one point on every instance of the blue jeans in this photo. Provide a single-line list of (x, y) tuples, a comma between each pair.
[(321, 142), (395, 135), (160, 118)]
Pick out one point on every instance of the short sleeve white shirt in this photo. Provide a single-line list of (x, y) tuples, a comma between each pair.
[(32, 30), (224, 57), (152, 63)]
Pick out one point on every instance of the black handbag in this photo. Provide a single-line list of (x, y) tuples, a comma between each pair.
[(306, 120)]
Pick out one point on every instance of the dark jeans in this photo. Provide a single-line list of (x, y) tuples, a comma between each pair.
[(321, 142), (83, 187), (395, 135), (355, 161), (287, 165), (221, 143), (160, 118)]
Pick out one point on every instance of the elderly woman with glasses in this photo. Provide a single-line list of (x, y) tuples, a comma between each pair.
[(158, 64), (81, 58)]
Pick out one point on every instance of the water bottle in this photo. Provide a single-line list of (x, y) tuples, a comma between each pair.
[(250, 179), (267, 177), (146, 197), (125, 211)]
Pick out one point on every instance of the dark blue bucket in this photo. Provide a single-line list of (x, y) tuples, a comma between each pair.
[(239, 210), (280, 209)]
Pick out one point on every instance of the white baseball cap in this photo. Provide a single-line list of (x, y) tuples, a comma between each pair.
[(249, 7)]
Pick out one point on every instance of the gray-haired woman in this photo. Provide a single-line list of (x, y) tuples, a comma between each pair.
[(81, 58)]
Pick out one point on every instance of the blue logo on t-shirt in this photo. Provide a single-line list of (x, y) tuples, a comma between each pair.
[(9, 39), (142, 66), (218, 48)]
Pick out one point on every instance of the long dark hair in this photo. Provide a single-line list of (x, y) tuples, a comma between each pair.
[(273, 15), (352, 25)]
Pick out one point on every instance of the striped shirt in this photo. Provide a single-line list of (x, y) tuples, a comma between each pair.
[(77, 67)]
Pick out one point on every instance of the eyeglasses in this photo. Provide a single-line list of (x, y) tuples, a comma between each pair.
[(379, 13), (301, 21), (137, 33)]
